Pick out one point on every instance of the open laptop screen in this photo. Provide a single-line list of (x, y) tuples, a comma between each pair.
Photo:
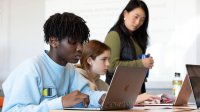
[(124, 88), (194, 76)]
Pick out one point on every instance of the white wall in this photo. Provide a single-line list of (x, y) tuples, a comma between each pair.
[(173, 29), (3, 40), (100, 15), (21, 32)]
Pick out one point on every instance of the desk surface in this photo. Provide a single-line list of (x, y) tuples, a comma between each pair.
[(191, 108)]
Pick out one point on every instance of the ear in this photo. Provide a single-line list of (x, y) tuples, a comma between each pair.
[(125, 13), (89, 61), (53, 42)]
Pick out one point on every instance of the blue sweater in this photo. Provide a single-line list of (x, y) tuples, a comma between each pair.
[(38, 84)]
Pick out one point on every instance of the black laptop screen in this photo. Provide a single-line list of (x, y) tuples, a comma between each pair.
[(194, 76)]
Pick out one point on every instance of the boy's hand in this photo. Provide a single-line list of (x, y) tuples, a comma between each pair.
[(102, 99), (74, 98)]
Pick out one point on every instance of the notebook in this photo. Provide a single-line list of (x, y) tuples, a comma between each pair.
[(194, 76), (183, 96), (124, 89)]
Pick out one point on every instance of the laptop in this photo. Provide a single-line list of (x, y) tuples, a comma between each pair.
[(194, 76), (124, 89), (183, 96)]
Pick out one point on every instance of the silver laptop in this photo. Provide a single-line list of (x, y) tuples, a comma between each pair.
[(183, 96), (194, 76), (124, 89)]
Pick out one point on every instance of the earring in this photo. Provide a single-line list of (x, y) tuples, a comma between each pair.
[(77, 49), (54, 45), (90, 63), (124, 18)]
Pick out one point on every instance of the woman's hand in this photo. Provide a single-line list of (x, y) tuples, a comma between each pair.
[(148, 62), (146, 97)]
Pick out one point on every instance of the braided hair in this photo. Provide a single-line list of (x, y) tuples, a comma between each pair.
[(66, 25)]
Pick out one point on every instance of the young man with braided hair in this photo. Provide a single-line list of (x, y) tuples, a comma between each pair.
[(48, 81)]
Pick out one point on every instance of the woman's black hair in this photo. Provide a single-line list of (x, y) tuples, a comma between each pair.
[(66, 25), (140, 35)]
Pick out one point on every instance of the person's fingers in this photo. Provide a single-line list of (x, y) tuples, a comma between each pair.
[(155, 96), (150, 66), (85, 99), (86, 102), (157, 101), (81, 95), (150, 99), (150, 63)]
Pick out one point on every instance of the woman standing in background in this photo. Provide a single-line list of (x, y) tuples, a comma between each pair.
[(128, 39)]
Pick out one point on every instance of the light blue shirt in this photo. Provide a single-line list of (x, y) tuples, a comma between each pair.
[(23, 89)]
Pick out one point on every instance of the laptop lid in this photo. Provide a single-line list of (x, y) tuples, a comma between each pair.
[(182, 98), (124, 88), (184, 93), (194, 76)]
